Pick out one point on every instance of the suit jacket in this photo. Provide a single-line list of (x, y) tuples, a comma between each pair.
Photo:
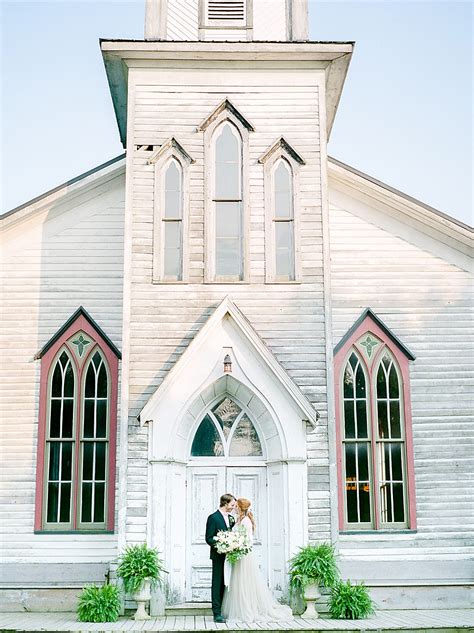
[(216, 523)]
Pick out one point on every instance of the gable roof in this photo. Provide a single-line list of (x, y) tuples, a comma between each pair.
[(79, 312), (228, 308), (406, 209), (369, 314), (108, 169), (230, 107)]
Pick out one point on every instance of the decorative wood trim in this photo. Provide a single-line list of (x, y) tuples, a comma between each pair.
[(170, 150), (281, 150), (226, 105), (221, 115), (83, 322), (227, 307), (371, 323)]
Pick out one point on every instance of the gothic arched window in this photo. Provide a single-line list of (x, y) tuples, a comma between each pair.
[(283, 225), (375, 449), (226, 430), (76, 439)]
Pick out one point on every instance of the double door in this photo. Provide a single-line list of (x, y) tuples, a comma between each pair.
[(205, 485)]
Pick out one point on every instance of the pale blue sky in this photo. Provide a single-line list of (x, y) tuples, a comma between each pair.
[(405, 116)]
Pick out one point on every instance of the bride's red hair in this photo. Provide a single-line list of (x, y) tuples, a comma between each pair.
[(243, 506)]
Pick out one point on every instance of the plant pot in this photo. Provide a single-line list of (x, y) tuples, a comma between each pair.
[(311, 594), (141, 597)]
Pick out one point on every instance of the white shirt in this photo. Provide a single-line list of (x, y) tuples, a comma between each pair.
[(226, 517)]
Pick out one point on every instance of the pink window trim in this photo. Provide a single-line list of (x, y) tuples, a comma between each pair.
[(339, 360), (81, 323)]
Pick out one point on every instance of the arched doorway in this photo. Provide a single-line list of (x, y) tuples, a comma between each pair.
[(227, 454)]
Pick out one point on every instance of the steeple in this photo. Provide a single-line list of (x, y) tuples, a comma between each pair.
[(227, 20)]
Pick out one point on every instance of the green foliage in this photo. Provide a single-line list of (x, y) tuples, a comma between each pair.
[(99, 604), (350, 601), (138, 563), (313, 563)]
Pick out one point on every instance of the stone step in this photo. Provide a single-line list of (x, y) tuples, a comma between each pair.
[(189, 608)]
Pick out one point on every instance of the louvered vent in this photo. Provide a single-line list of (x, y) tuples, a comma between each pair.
[(226, 10)]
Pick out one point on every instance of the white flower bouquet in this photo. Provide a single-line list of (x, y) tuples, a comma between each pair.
[(234, 543)]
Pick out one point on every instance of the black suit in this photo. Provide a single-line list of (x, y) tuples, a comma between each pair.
[(216, 523)]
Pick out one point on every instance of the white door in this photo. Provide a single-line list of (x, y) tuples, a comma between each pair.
[(205, 484)]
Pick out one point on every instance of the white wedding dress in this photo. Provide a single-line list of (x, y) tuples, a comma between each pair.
[(247, 598)]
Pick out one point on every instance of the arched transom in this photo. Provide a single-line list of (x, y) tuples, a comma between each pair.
[(226, 430)]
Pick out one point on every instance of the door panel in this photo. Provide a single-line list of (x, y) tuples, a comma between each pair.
[(205, 484)]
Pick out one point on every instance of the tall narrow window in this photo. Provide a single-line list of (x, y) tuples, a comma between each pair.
[(283, 215), (172, 220), (60, 442), (228, 203), (375, 448), (76, 437)]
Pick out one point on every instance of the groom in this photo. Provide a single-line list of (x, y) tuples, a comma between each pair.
[(221, 519)]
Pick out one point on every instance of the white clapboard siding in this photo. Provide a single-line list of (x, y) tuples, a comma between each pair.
[(68, 254), (427, 303), (164, 318)]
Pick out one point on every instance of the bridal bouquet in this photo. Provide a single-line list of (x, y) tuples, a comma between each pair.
[(234, 543)]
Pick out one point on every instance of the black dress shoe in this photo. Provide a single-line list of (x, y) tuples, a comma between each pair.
[(219, 618)]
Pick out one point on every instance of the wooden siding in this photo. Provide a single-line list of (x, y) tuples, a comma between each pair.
[(165, 317), (69, 254), (427, 303)]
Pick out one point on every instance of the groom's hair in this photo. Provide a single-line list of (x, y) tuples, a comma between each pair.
[(225, 499)]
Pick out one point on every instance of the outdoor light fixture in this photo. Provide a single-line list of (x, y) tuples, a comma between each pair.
[(227, 364)]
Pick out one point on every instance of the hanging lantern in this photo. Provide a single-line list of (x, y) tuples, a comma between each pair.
[(227, 364)]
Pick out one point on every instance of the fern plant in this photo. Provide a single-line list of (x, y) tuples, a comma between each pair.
[(99, 604), (137, 564), (350, 601), (313, 564)]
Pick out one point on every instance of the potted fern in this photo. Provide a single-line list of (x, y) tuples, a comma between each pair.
[(350, 601), (140, 568), (313, 566)]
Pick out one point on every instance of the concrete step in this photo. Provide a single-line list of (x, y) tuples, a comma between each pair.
[(189, 608)]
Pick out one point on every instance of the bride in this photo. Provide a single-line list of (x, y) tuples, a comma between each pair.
[(247, 598)]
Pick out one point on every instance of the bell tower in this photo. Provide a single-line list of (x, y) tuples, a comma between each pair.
[(227, 20)]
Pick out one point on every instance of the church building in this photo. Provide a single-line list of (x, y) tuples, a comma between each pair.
[(225, 308)]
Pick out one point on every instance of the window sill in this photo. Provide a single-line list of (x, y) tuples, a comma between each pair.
[(375, 532), (49, 532)]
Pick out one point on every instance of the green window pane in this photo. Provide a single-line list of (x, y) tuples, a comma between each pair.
[(89, 414), (102, 382), (352, 504), (53, 502), (398, 503), (54, 459), (245, 441), (395, 422), (88, 461), (396, 454), (348, 382), (99, 502), (207, 442), (101, 430), (69, 381), (349, 421), (361, 409), (66, 461), (68, 415), (65, 510), (55, 419), (86, 509), (381, 383), (363, 461), (350, 451), (364, 503), (382, 419), (100, 454), (393, 386), (57, 382), (360, 383), (90, 382)]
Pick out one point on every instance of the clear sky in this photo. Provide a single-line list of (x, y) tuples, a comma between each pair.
[(405, 116)]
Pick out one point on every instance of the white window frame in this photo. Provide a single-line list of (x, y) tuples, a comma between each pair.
[(281, 150), (211, 133), (170, 151)]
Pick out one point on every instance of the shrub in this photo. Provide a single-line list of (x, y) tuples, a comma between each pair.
[(350, 601), (313, 563), (137, 564), (99, 604)]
